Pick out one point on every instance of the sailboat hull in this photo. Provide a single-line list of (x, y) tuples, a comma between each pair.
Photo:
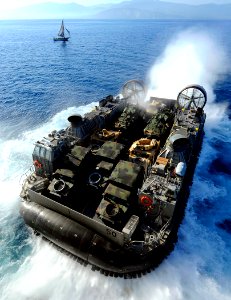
[(61, 39)]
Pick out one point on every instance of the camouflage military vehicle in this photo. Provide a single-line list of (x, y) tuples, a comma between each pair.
[(160, 124), (111, 188)]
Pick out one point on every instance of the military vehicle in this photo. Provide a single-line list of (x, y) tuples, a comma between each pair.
[(111, 188)]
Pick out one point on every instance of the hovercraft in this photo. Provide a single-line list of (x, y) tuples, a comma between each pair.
[(111, 188)]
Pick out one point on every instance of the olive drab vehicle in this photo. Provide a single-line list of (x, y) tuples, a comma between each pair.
[(111, 188), (160, 123)]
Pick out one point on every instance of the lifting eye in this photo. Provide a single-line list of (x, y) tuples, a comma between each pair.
[(59, 185), (94, 178), (146, 200)]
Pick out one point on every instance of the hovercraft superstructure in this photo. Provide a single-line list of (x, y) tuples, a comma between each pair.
[(111, 188)]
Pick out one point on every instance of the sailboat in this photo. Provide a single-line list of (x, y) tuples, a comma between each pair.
[(61, 35)]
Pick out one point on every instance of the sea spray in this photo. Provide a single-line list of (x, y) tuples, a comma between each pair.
[(192, 57), (15, 161)]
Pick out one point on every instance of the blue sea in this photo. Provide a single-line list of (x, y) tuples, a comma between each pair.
[(43, 82)]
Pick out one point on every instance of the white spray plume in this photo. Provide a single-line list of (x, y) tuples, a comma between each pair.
[(193, 57)]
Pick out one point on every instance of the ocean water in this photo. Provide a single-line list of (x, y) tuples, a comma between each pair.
[(43, 82)]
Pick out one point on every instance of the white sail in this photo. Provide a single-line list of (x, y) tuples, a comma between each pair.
[(61, 31)]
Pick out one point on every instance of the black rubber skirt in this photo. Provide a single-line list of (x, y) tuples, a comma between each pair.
[(102, 254)]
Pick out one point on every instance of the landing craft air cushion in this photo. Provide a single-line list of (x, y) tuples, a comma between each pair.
[(111, 188)]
